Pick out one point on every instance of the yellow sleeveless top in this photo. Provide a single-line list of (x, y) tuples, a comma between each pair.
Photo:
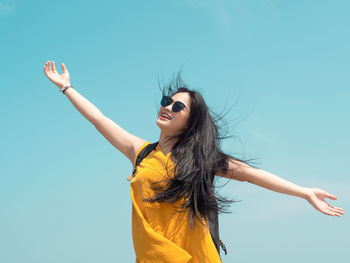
[(159, 233)]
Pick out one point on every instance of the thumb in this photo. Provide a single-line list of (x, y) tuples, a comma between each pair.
[(64, 68), (331, 196)]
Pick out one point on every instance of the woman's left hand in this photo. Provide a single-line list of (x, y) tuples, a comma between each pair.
[(60, 80), (316, 198)]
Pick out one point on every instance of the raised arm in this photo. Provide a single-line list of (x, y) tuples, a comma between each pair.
[(245, 173), (125, 142)]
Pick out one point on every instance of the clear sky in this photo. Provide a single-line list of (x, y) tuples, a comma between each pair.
[(283, 65)]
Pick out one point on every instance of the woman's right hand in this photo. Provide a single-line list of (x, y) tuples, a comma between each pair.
[(52, 74), (316, 198)]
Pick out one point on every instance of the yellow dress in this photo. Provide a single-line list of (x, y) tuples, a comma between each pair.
[(160, 234)]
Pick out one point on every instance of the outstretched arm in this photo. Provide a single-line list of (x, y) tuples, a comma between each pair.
[(128, 144), (245, 173)]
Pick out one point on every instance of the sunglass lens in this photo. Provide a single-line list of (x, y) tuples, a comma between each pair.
[(166, 101), (178, 106)]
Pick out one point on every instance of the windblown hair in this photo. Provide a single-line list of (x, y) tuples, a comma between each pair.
[(197, 158)]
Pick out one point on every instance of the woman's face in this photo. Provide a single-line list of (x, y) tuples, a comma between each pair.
[(177, 121)]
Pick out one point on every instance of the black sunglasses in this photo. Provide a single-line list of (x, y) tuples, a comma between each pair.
[(177, 106)]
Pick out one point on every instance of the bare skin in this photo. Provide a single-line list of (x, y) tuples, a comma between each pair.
[(129, 144)]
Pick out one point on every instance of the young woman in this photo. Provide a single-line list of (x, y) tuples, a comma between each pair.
[(172, 190)]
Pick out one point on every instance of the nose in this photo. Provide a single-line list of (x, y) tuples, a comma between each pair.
[(169, 107)]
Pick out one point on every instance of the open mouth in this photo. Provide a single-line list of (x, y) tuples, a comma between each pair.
[(165, 116)]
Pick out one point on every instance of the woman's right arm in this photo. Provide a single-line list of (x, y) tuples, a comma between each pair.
[(125, 142)]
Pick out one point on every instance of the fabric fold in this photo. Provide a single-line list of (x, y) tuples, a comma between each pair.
[(152, 246)]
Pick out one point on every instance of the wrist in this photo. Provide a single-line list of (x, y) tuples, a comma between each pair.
[(306, 193), (64, 84), (65, 87)]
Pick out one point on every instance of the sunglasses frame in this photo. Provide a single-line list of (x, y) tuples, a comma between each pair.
[(177, 106)]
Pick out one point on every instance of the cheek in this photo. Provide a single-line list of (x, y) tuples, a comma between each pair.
[(183, 121)]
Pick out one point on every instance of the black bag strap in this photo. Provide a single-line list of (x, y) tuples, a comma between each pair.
[(213, 217), (142, 154)]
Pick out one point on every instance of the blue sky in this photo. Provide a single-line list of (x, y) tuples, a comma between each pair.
[(284, 65)]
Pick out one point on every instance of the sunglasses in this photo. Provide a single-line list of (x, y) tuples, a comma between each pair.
[(177, 106)]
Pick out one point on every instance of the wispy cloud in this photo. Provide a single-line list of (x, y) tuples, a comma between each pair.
[(5, 8), (262, 137)]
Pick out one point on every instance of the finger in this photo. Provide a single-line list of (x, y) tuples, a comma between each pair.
[(327, 212), (331, 196), (47, 66), (50, 68), (64, 68), (333, 213), (337, 214), (336, 210), (53, 66)]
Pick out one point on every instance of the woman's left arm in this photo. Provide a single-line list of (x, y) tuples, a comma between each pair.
[(245, 173)]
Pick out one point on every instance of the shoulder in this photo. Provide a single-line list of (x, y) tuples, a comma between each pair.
[(138, 148), (144, 150)]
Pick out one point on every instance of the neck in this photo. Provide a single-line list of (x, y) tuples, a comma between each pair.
[(166, 143)]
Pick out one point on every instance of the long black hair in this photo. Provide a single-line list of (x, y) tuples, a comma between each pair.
[(197, 158)]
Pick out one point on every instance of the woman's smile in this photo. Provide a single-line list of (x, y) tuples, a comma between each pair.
[(165, 116)]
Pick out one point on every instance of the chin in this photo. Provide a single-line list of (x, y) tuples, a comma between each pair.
[(162, 127), (160, 124)]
